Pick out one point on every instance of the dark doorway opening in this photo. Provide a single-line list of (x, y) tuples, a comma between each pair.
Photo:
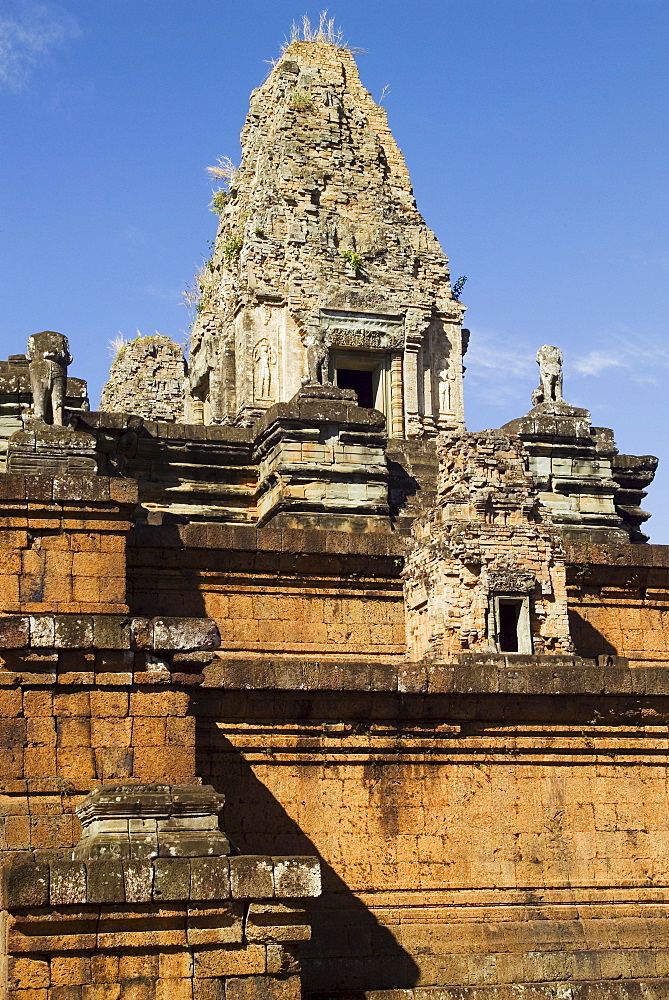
[(361, 382), (509, 615)]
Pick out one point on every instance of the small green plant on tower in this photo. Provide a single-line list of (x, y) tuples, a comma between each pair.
[(300, 100), (353, 259), (232, 247), (459, 286), (223, 170)]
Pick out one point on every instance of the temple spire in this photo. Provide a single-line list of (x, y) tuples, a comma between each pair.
[(323, 268)]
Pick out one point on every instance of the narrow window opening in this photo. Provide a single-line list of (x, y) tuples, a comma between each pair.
[(509, 620), (362, 383)]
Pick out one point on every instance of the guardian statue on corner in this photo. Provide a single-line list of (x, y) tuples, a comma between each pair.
[(49, 355)]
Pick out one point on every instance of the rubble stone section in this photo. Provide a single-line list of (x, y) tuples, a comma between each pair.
[(147, 378), (322, 261), (487, 550)]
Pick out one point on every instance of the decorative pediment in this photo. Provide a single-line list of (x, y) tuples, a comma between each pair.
[(362, 331)]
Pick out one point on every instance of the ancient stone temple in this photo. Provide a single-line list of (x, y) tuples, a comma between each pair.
[(323, 269), (304, 689)]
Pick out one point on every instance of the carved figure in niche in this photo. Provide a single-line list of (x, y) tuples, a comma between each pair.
[(263, 359), (49, 355), (549, 360), (446, 378), (317, 353)]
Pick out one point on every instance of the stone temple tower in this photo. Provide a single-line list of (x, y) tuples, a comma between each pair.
[(323, 268)]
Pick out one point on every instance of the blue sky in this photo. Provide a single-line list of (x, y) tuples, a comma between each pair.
[(536, 133)]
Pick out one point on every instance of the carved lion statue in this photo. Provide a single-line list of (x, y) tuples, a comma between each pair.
[(49, 355)]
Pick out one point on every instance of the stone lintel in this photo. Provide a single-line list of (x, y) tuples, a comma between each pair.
[(44, 631), (94, 883)]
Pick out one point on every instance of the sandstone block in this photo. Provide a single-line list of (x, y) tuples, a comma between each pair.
[(73, 631), (67, 883), (249, 960), (185, 634), (210, 878), (105, 882), (175, 964), (14, 632), (173, 989), (266, 988), (124, 491), (208, 989), (172, 878), (70, 970), (251, 876), (273, 922), (222, 925), (26, 885), (138, 881), (297, 876), (111, 631), (42, 631), (28, 974)]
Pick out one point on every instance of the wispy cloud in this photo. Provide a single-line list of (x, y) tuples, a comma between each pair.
[(135, 235), (594, 362), (28, 33), (642, 357), (503, 368), (163, 294)]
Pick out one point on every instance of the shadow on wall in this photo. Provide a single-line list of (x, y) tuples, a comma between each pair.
[(349, 949), (587, 640), (163, 577)]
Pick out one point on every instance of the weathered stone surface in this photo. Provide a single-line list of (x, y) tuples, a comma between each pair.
[(25, 884), (251, 877), (67, 883), (147, 378), (295, 877), (144, 821), (185, 633), (46, 450), (485, 570), (593, 493), (49, 357), (490, 825), (323, 269)]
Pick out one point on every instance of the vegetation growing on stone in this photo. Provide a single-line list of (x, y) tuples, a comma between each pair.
[(325, 31), (300, 100), (232, 248), (219, 200), (353, 259), (458, 287), (223, 170)]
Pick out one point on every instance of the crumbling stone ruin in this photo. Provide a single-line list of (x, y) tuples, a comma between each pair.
[(147, 378), (304, 689), (486, 570), (323, 269)]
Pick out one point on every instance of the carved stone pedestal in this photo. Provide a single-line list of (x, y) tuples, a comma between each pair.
[(322, 456), (46, 450), (150, 821), (197, 927)]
